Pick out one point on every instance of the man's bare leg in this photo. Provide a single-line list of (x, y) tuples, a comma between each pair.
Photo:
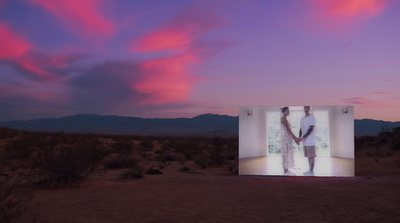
[(311, 163)]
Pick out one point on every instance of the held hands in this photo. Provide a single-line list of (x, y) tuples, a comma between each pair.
[(298, 140)]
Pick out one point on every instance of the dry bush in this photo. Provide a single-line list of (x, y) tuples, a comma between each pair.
[(124, 146), (184, 169), (158, 151), (188, 147), (202, 160), (69, 165), (24, 145), (121, 162), (180, 158), (216, 157), (152, 171), (146, 146), (14, 200), (147, 142), (233, 166), (6, 133), (164, 157), (139, 171), (395, 143), (162, 165)]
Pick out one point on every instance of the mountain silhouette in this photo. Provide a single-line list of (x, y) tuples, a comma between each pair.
[(373, 127), (206, 124)]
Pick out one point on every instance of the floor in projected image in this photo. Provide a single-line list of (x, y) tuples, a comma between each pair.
[(324, 166)]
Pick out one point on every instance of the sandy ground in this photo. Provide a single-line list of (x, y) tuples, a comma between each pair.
[(215, 195)]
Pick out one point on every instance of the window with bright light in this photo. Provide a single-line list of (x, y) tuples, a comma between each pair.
[(296, 113)]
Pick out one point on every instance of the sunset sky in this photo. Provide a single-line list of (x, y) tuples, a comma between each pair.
[(174, 58)]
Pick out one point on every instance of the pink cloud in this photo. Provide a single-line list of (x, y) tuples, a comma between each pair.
[(381, 92), (15, 49), (39, 65), (369, 103), (180, 31), (337, 16), (83, 16), (11, 44), (169, 79), (165, 80), (353, 8), (19, 52), (46, 85), (28, 64), (160, 40), (41, 91)]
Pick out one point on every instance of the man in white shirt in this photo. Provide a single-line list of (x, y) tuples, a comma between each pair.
[(307, 135)]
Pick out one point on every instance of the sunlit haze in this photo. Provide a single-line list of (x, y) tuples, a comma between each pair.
[(169, 59)]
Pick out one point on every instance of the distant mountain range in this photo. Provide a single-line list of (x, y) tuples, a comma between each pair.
[(373, 127), (207, 124)]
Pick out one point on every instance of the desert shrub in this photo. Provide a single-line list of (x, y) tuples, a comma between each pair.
[(377, 153), (383, 139), (162, 165), (164, 157), (121, 162), (359, 142), (138, 171), (233, 166), (180, 158), (6, 133), (231, 154), (166, 146), (57, 138), (184, 169), (218, 142), (189, 153), (69, 164), (201, 160), (188, 148), (170, 143), (222, 150), (14, 199), (152, 171), (395, 143), (143, 151), (145, 147), (24, 146), (124, 146), (396, 131), (216, 157), (147, 143)]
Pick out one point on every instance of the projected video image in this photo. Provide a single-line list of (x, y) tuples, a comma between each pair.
[(296, 141)]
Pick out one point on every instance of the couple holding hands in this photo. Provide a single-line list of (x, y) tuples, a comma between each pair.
[(306, 137)]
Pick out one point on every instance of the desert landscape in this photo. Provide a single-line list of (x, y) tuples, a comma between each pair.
[(60, 177)]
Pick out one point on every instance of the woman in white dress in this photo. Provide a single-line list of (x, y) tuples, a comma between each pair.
[(286, 143)]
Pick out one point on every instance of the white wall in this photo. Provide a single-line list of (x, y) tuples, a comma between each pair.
[(252, 132), (342, 132)]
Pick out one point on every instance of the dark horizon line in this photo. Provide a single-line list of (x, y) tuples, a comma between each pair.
[(92, 114)]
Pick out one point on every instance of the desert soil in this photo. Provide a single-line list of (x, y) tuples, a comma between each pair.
[(216, 195)]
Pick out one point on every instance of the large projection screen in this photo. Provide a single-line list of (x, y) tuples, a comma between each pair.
[(263, 148)]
